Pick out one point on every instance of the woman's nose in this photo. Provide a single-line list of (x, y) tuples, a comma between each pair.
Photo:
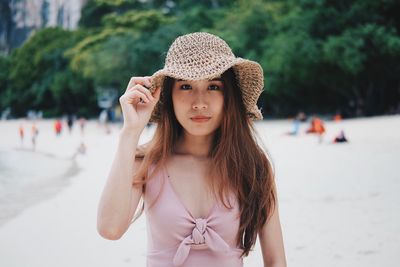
[(199, 102), (199, 105)]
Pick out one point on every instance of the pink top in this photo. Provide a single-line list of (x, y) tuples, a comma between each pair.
[(176, 238)]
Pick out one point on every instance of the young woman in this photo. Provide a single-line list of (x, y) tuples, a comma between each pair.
[(207, 187)]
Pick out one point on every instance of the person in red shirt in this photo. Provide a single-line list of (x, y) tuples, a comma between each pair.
[(21, 134), (57, 127)]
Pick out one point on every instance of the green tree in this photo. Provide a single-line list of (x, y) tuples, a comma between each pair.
[(36, 71), (318, 56), (4, 83), (130, 44), (324, 55), (93, 11)]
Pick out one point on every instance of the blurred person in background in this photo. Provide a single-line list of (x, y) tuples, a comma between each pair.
[(57, 127), (82, 123), (70, 122), (21, 134), (35, 133), (340, 138)]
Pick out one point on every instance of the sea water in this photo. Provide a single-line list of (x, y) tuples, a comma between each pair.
[(28, 177)]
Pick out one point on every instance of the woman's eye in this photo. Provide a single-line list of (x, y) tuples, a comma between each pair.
[(214, 87), (185, 87)]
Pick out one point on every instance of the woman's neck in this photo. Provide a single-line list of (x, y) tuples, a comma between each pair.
[(196, 146)]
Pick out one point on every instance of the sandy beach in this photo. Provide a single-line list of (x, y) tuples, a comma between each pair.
[(338, 203)]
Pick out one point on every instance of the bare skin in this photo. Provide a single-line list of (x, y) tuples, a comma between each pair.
[(186, 167), (120, 199), (187, 179)]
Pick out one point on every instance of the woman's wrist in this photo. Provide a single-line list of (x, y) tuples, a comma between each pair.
[(130, 133)]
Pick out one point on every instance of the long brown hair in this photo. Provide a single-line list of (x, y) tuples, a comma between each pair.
[(237, 160)]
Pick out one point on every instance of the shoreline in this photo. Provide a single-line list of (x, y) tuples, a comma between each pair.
[(15, 199)]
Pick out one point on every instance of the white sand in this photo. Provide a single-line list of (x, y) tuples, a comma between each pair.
[(338, 203)]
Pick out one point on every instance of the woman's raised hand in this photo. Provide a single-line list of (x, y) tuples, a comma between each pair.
[(137, 103)]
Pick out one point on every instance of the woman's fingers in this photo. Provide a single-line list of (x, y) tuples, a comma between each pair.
[(140, 97), (134, 97), (145, 81), (138, 92), (145, 91), (137, 102)]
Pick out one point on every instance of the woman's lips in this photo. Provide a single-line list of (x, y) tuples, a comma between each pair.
[(200, 118)]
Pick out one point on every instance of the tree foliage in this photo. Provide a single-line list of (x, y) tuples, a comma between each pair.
[(317, 56), (40, 77)]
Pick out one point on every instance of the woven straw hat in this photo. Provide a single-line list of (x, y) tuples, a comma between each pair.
[(200, 56)]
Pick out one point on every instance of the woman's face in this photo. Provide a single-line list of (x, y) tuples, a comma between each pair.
[(198, 105)]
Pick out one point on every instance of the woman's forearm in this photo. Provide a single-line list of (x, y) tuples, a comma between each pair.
[(276, 264), (118, 196)]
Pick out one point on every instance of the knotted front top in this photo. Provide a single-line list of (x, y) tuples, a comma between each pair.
[(176, 238)]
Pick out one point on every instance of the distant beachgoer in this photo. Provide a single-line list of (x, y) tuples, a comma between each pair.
[(301, 116), (320, 129), (296, 123), (317, 127), (58, 127), (103, 119), (35, 133), (340, 138), (82, 124), (103, 116), (311, 129), (296, 127), (81, 150), (70, 122), (337, 117), (21, 134)]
